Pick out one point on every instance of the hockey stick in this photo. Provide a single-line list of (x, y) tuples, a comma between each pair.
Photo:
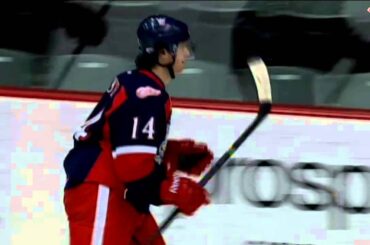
[(262, 81)]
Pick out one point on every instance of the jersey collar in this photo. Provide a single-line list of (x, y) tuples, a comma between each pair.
[(153, 76)]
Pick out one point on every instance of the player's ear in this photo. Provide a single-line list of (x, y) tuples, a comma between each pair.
[(164, 57), (163, 51)]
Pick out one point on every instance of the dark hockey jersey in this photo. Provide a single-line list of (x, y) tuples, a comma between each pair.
[(123, 139)]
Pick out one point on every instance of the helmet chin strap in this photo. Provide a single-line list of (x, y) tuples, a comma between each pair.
[(170, 67)]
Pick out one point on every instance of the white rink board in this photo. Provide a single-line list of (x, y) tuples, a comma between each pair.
[(38, 133)]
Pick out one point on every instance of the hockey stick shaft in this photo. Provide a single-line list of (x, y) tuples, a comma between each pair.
[(263, 112), (262, 81)]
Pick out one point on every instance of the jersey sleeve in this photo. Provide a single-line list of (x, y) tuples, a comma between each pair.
[(137, 129)]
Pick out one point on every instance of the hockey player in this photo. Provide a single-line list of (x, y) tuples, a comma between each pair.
[(121, 162)]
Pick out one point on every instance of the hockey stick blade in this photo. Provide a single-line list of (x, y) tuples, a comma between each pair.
[(262, 81)]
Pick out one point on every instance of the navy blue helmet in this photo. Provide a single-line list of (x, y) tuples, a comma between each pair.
[(161, 31)]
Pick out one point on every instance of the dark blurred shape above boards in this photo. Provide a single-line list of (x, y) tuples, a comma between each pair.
[(28, 25)]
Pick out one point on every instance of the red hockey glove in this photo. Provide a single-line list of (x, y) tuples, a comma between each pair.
[(187, 156), (184, 193)]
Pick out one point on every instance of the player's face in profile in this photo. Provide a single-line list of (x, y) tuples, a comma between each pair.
[(184, 52)]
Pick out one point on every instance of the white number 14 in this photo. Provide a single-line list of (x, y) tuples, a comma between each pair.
[(148, 128)]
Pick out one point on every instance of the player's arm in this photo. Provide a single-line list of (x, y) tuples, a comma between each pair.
[(137, 130)]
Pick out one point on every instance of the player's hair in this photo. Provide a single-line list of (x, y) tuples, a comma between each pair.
[(146, 60)]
